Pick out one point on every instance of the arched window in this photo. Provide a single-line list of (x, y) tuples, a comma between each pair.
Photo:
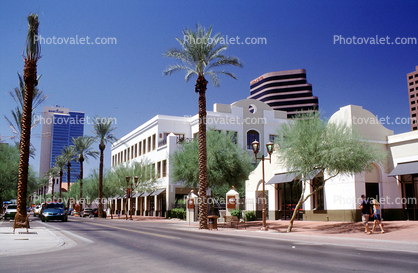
[(251, 136)]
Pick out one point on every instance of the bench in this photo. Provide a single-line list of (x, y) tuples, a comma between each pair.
[(21, 221), (232, 219)]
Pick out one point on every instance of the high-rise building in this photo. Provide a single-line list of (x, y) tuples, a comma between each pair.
[(59, 126), (285, 90), (413, 97)]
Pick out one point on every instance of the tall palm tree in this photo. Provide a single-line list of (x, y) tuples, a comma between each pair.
[(83, 146), (70, 154), (33, 53), (199, 55), (60, 162), (103, 132), (18, 95)]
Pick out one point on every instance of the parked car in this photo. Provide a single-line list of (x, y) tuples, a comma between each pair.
[(37, 210), (10, 212), (54, 211), (86, 212), (96, 213)]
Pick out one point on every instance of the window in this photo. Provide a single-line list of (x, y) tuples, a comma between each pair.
[(128, 152), (159, 169), (413, 108), (132, 151), (149, 144), (411, 83), (412, 96), (251, 137), (124, 156), (272, 138), (140, 148), (411, 90), (136, 150), (164, 168), (153, 141), (318, 197), (410, 77), (412, 102), (145, 146)]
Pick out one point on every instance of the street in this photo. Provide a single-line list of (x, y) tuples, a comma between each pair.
[(98, 245)]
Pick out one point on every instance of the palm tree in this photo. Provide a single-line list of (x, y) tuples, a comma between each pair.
[(60, 162), (103, 131), (83, 146), (33, 53), (70, 154), (199, 55), (18, 95)]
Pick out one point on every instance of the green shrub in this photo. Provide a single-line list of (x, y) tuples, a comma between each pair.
[(250, 216), (178, 213), (237, 212)]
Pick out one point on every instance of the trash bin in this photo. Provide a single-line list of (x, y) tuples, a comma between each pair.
[(213, 222)]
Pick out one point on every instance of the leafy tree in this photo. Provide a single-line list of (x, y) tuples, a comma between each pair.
[(59, 166), (309, 145), (199, 55), (228, 164), (33, 53), (103, 131), (83, 146)]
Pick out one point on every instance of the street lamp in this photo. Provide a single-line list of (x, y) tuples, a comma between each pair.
[(256, 147), (128, 194), (136, 183)]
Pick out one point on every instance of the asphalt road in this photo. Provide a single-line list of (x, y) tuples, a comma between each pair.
[(97, 245)]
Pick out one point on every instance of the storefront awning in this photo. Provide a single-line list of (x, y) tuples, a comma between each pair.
[(405, 168), (157, 192), (282, 178), (138, 194), (144, 194), (289, 177)]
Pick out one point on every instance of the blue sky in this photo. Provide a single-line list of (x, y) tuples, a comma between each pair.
[(125, 81)]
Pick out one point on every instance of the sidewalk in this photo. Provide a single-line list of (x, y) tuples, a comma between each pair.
[(399, 236)]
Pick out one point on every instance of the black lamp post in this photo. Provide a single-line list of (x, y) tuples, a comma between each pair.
[(256, 147), (128, 194), (136, 183)]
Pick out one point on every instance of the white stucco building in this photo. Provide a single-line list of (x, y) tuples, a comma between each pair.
[(158, 138), (395, 183)]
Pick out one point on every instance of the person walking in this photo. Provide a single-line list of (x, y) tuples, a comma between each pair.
[(376, 216), (366, 211)]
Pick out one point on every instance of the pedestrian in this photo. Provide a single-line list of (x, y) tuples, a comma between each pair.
[(366, 211), (376, 216)]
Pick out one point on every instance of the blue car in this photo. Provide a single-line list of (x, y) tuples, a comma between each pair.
[(54, 211)]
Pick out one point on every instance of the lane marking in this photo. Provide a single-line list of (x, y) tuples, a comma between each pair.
[(69, 233), (132, 230)]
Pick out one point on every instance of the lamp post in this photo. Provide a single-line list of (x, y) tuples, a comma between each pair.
[(256, 147), (128, 194), (136, 183)]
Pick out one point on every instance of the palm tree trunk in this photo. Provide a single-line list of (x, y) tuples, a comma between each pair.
[(80, 197), (101, 147), (61, 174), (201, 84), (68, 179), (29, 76)]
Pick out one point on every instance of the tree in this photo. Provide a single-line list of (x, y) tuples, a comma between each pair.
[(83, 146), (228, 164), (199, 55), (9, 172), (69, 153), (103, 131), (310, 145), (33, 53), (60, 162), (18, 95)]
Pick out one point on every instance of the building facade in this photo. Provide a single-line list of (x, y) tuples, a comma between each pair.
[(413, 97), (394, 184), (59, 126), (158, 138), (285, 91)]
